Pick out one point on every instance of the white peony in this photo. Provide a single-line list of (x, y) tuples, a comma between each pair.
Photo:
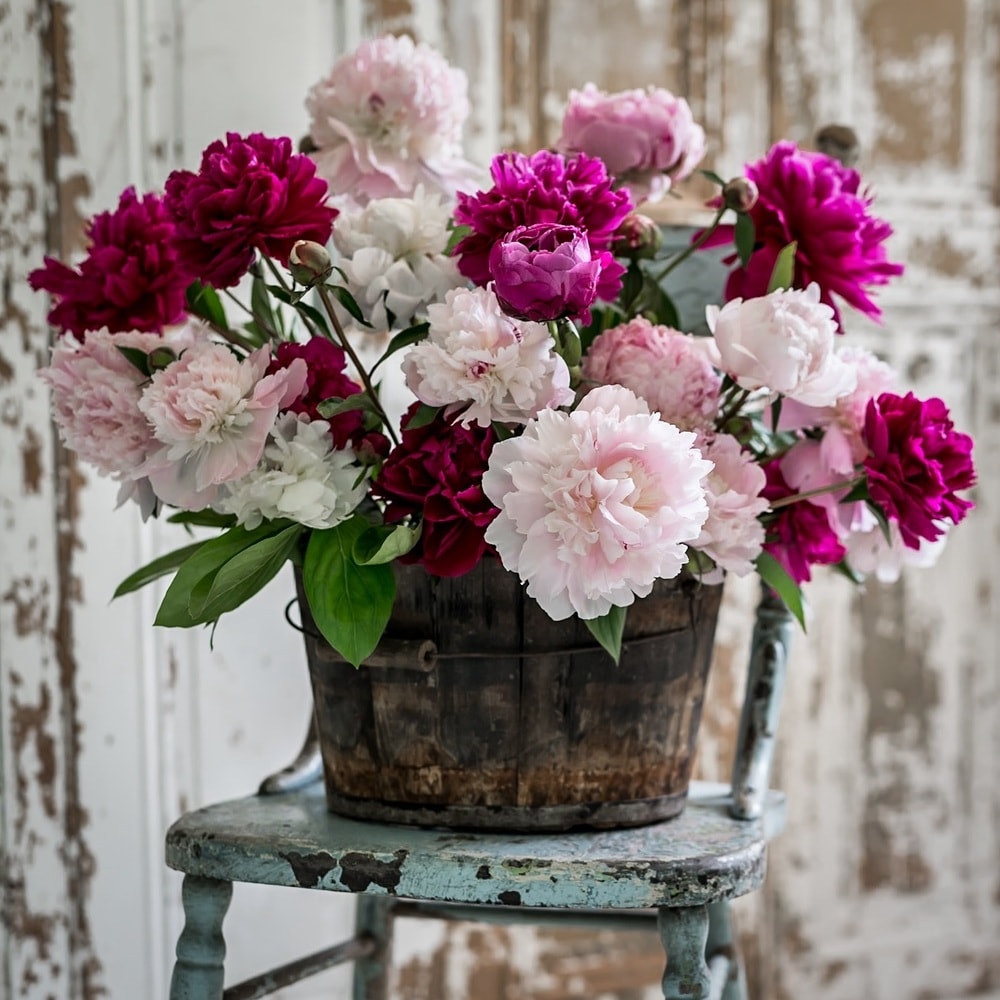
[(783, 342), (300, 477), (596, 504), (870, 553), (393, 256), (504, 369)]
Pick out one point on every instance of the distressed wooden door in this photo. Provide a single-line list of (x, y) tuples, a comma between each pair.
[(886, 885)]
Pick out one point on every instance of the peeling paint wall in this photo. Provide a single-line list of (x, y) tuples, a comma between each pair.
[(886, 885)]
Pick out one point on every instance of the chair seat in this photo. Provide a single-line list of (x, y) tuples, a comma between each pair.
[(291, 839)]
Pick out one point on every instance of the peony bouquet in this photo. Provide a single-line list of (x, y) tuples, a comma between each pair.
[(233, 352)]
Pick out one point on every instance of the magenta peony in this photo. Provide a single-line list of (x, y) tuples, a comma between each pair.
[(801, 534), (545, 187), (669, 369), (916, 463), (325, 379), (646, 138), (435, 474), (545, 272), (131, 278), (250, 194), (596, 504), (814, 201)]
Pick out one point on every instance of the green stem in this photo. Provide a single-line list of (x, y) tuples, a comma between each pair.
[(331, 311), (845, 484), (280, 278), (732, 408), (690, 249)]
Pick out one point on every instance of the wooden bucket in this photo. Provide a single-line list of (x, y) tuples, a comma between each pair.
[(479, 711)]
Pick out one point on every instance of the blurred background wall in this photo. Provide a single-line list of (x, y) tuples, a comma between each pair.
[(886, 885)]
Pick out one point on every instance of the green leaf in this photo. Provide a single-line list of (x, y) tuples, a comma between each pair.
[(207, 518), (136, 358), (744, 237), (608, 630), (411, 335), (880, 516), (458, 233), (262, 308), (333, 406), (204, 301), (713, 177), (350, 604), (655, 300), (783, 274), (344, 297), (196, 573), (242, 576), (776, 577), (844, 568), (381, 543), (153, 571), (423, 416), (631, 286), (776, 412)]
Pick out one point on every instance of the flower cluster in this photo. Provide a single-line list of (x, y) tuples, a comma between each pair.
[(557, 419)]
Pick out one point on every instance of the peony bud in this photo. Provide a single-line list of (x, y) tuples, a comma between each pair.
[(309, 262), (638, 236), (740, 194)]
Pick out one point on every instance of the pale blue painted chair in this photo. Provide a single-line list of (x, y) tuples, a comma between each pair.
[(678, 875)]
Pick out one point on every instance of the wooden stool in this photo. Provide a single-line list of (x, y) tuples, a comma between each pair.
[(679, 874)]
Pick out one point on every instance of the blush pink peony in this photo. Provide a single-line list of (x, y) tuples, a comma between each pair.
[(596, 504), (387, 118), (782, 342), (669, 369), (646, 138), (211, 414), (479, 360), (96, 393), (733, 535)]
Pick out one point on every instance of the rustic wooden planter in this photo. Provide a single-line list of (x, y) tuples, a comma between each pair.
[(479, 711)]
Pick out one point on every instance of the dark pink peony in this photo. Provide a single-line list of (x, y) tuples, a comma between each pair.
[(816, 202), (436, 474), (545, 272), (325, 379), (802, 534), (916, 462), (545, 187), (130, 279), (250, 194)]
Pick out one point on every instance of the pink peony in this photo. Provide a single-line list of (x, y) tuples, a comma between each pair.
[(478, 360), (435, 474), (733, 535), (250, 194), (669, 369), (131, 278), (546, 272), (846, 414), (869, 553), (916, 463), (596, 504), (211, 414), (646, 138), (814, 201), (96, 392), (387, 118), (783, 342), (801, 534), (544, 187)]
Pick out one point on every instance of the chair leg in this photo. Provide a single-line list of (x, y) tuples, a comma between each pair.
[(201, 948), (684, 931), (373, 917), (721, 945)]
